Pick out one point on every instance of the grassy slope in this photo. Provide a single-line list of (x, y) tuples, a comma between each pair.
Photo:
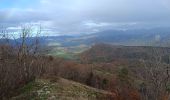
[(60, 89)]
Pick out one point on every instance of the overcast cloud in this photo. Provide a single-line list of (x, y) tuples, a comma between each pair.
[(85, 16)]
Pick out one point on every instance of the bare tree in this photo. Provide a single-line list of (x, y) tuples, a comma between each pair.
[(155, 74), (19, 63)]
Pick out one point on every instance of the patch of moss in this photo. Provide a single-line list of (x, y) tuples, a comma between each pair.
[(29, 87)]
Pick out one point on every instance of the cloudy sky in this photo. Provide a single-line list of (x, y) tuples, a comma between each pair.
[(84, 16)]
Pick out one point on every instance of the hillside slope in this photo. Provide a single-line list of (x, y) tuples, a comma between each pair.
[(60, 89), (105, 53)]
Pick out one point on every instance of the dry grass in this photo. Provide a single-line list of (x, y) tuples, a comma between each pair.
[(61, 89)]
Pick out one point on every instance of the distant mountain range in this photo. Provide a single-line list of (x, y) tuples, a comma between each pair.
[(143, 37), (140, 37)]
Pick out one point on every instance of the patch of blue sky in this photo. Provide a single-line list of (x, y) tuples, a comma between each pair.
[(9, 4)]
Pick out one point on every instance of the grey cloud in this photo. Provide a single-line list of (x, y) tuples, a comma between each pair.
[(73, 16)]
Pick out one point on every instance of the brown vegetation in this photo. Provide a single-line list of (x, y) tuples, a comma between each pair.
[(129, 73)]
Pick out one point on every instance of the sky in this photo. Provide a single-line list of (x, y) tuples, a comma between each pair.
[(84, 16)]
